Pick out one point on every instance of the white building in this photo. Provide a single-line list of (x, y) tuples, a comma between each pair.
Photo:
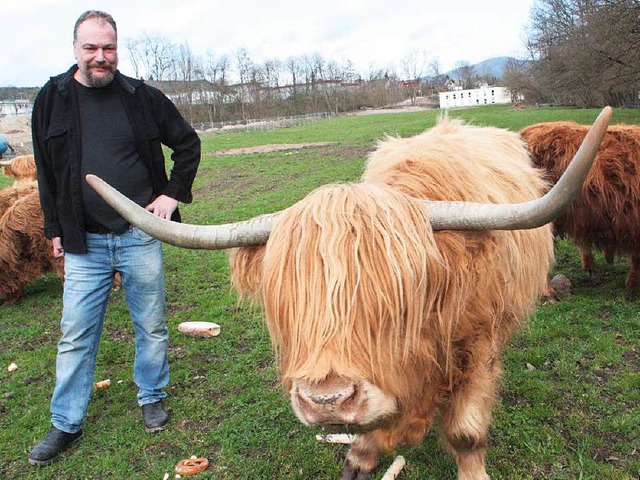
[(486, 95)]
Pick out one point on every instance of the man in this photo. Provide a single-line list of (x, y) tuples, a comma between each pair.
[(93, 119)]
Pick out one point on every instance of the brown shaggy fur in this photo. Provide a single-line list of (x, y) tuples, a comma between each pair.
[(359, 290), (25, 253), (23, 172), (25, 219), (606, 215), (22, 169)]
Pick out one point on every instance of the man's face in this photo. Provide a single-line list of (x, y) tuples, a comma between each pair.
[(96, 51)]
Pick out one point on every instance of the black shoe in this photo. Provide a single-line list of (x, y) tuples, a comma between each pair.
[(53, 444), (155, 417)]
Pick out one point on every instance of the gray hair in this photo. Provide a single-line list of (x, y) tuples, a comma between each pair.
[(97, 14)]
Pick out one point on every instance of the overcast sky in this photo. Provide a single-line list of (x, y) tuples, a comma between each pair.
[(372, 34)]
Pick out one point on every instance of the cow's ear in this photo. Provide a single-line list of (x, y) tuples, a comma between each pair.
[(246, 271)]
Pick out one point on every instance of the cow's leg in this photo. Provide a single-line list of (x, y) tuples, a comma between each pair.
[(466, 419), (633, 277), (588, 260), (362, 458), (609, 255)]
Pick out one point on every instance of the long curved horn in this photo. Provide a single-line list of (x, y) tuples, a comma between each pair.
[(254, 231), (443, 215), (533, 214), (5, 162)]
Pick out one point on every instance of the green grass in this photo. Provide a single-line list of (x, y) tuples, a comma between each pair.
[(575, 416)]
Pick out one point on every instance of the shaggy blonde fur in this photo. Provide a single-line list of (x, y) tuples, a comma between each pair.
[(357, 285), (369, 290)]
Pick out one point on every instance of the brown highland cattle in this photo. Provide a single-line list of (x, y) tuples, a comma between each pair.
[(21, 168), (25, 253), (388, 312), (23, 171), (21, 231), (606, 214)]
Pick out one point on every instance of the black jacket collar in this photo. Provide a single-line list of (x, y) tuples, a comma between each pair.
[(63, 81)]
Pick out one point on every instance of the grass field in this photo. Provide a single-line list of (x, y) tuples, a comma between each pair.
[(569, 406)]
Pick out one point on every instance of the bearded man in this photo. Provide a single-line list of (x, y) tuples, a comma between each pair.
[(93, 119)]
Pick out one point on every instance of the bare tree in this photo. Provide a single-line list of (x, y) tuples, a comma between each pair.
[(215, 71), (413, 66), (349, 72), (134, 50), (270, 73), (295, 68), (467, 76), (517, 79), (586, 52), (330, 77), (437, 80), (185, 64), (312, 70), (151, 56), (245, 69)]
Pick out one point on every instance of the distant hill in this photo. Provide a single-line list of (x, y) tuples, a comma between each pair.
[(492, 67)]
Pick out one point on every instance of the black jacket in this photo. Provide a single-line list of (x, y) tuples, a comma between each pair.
[(56, 143)]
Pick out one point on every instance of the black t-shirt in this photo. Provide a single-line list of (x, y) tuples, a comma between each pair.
[(109, 151)]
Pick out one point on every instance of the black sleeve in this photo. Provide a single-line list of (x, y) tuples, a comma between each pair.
[(184, 142), (44, 167)]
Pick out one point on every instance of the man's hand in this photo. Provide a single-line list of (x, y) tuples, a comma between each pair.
[(163, 207), (58, 251)]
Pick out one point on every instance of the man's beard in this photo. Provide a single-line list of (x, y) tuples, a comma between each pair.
[(97, 82)]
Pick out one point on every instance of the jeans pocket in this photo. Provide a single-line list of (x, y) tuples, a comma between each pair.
[(141, 235)]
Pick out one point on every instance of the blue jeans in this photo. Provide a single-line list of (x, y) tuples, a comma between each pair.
[(87, 284)]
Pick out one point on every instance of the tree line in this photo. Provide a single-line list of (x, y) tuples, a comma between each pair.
[(582, 52), (227, 87)]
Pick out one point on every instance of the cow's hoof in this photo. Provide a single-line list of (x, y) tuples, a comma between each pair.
[(350, 472)]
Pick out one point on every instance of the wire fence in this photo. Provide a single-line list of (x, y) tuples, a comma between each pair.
[(261, 124)]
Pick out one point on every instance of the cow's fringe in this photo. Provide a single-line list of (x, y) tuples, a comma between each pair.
[(361, 272)]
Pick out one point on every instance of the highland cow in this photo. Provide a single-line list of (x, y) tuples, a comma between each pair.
[(21, 168), (25, 253), (23, 171), (388, 312), (606, 214)]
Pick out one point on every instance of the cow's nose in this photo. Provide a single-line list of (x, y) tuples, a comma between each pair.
[(334, 395)]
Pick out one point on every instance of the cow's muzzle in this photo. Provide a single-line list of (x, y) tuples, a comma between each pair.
[(340, 401)]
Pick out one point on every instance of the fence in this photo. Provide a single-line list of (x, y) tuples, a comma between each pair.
[(262, 124)]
